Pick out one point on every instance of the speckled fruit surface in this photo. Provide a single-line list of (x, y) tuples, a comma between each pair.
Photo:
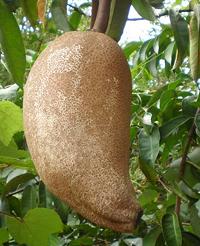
[(76, 118)]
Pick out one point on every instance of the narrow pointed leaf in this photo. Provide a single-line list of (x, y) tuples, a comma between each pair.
[(25, 163), (148, 171), (158, 4), (156, 96), (59, 13), (181, 35), (149, 145), (118, 15), (190, 239), (144, 8), (29, 199), (168, 128), (14, 183), (130, 48), (171, 229), (151, 238), (160, 240), (12, 44), (195, 43), (195, 217), (169, 53), (30, 10), (75, 19)]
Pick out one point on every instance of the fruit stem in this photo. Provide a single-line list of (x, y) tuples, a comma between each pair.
[(102, 15), (95, 5)]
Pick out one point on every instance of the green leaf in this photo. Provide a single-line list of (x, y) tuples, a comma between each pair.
[(118, 16), (147, 45), (190, 239), (11, 121), (156, 96), (147, 197), (148, 171), (75, 19), (144, 9), (197, 122), (195, 217), (14, 205), (195, 43), (156, 45), (61, 208), (29, 199), (59, 13), (36, 227), (12, 150), (12, 44), (4, 236), (188, 106), (171, 229), (186, 190), (11, 155), (55, 241), (160, 240), (193, 159), (25, 163), (166, 99), (167, 129), (169, 52), (87, 229), (14, 183), (152, 65), (30, 10), (149, 145), (83, 241), (42, 195), (151, 237), (12, 5), (157, 3), (175, 84), (181, 35), (191, 176), (130, 48)]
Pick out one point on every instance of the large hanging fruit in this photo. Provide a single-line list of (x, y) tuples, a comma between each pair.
[(76, 117)]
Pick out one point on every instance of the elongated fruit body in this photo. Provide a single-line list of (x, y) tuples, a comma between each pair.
[(76, 117)]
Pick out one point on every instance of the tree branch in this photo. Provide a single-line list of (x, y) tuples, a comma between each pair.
[(184, 160), (76, 9), (161, 15), (20, 190), (9, 215)]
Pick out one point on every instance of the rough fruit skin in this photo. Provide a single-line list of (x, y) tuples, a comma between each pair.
[(76, 118)]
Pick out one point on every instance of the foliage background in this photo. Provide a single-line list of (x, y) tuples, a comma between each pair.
[(165, 127)]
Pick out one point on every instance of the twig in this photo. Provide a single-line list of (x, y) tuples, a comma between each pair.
[(164, 185), (161, 15), (184, 160), (20, 190), (10, 215), (76, 9)]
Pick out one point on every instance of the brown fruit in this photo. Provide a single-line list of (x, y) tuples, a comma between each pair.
[(76, 118)]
